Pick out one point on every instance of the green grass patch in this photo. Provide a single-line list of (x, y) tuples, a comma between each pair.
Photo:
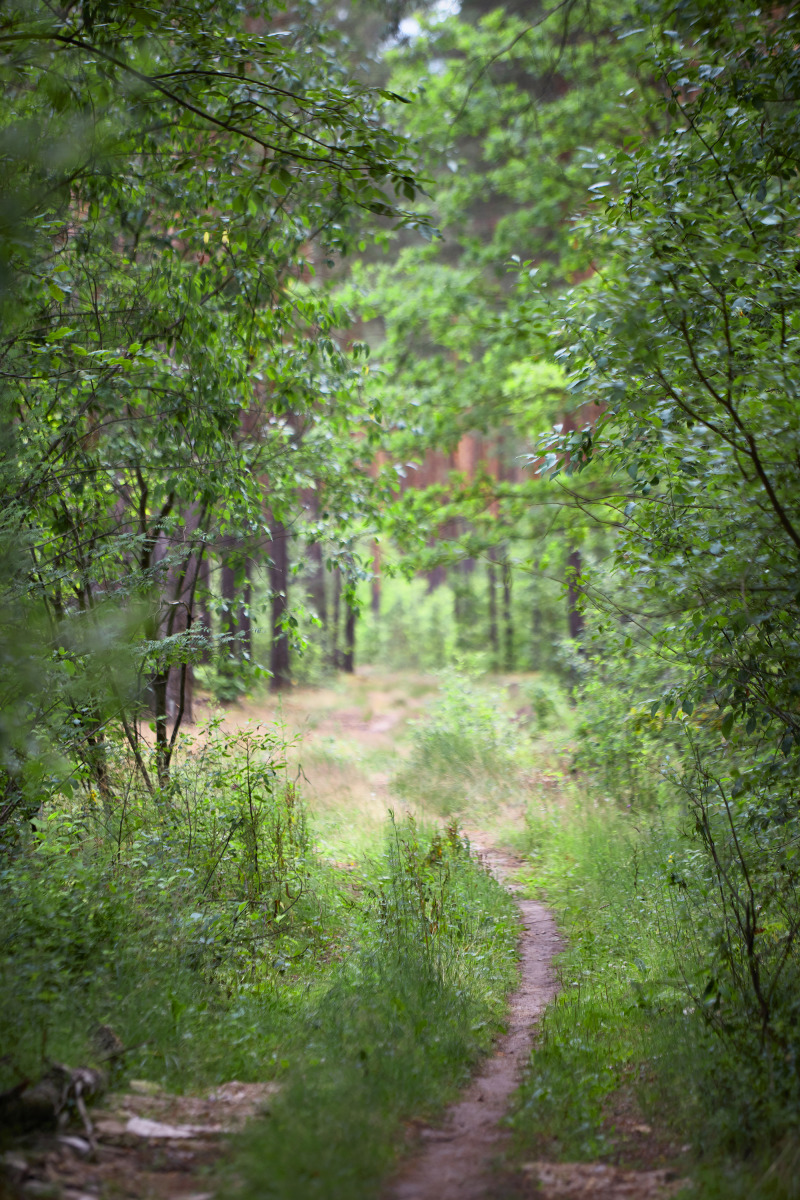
[(417, 999), (626, 1014), (203, 927)]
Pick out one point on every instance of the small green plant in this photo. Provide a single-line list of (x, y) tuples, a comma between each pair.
[(466, 744), (156, 911), (546, 701)]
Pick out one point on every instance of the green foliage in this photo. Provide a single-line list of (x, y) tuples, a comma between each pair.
[(204, 929), (414, 629), (177, 906), (164, 176), (546, 702), (635, 901), (464, 749), (688, 344)]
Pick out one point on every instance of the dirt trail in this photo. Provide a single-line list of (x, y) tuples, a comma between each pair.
[(455, 1161)]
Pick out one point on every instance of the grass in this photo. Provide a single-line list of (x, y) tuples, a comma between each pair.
[(395, 1034), (368, 997), (371, 998), (623, 1033), (617, 975)]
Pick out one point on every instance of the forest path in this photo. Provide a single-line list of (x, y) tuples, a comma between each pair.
[(456, 1159), (371, 715), (460, 1158)]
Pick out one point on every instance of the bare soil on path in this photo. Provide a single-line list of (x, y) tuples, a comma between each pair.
[(455, 1161), (461, 1158)]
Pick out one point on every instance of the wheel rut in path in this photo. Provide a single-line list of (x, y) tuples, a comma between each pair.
[(456, 1157)]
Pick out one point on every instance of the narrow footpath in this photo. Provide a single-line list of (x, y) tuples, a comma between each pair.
[(461, 1158), (456, 1158)]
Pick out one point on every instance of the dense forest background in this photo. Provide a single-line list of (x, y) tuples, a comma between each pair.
[(435, 338)]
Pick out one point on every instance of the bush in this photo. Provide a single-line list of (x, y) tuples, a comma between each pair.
[(152, 912), (465, 746)]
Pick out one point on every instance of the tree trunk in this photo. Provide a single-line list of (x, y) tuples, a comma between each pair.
[(375, 596), (536, 626), (348, 658), (436, 577), (316, 586), (337, 601), (203, 619), (575, 621), (491, 575), (508, 619), (227, 621), (173, 685), (236, 594), (244, 617), (279, 587)]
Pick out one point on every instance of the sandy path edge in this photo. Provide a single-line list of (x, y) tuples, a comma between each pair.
[(455, 1160)]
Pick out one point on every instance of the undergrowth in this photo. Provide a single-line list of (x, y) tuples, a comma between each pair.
[(466, 749), (418, 997), (202, 926)]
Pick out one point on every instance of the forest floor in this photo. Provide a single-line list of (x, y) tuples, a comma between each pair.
[(350, 737)]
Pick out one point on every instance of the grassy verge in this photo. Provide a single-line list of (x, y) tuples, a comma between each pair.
[(418, 998), (652, 1054), (625, 1069), (205, 929)]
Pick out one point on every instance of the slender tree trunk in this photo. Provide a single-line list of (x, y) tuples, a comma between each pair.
[(349, 655), (375, 596), (436, 577), (236, 593), (316, 586), (203, 619), (508, 618), (491, 576), (279, 587), (244, 617), (575, 621), (536, 626), (337, 602), (227, 619), (159, 685)]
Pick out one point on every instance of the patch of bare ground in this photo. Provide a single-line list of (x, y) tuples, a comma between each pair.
[(145, 1144)]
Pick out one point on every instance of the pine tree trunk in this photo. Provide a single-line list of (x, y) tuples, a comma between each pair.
[(536, 626), (316, 586), (203, 619), (244, 617), (491, 575), (508, 619), (337, 603), (227, 620), (375, 595), (349, 655), (279, 587)]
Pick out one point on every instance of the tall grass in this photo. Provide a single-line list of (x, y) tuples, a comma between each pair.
[(418, 997), (201, 925), (629, 1012)]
